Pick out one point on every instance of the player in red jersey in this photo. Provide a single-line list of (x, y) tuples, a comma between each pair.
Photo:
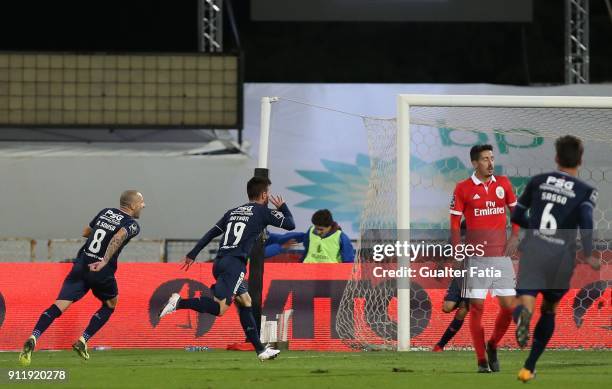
[(482, 199)]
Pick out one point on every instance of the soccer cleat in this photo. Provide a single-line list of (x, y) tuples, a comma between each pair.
[(522, 328), (80, 346), (492, 358), (25, 356), (170, 305), (437, 349), (525, 375), (483, 368), (268, 354)]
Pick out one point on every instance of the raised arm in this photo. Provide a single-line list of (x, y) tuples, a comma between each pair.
[(281, 217)]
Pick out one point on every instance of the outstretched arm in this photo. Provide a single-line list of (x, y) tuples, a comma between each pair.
[(188, 260)]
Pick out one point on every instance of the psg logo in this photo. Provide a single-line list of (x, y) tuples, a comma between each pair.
[(499, 191)]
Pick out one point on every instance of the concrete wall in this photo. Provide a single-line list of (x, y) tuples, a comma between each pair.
[(55, 197)]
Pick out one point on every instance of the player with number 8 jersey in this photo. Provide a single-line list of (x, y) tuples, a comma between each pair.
[(94, 268), (239, 228)]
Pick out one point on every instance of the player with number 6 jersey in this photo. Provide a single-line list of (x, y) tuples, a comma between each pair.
[(239, 228), (94, 268), (552, 208)]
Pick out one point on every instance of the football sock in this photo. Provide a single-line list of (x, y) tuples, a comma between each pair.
[(504, 317), (45, 320), (97, 321), (450, 332), (250, 329), (477, 332), (517, 312), (203, 304), (541, 335)]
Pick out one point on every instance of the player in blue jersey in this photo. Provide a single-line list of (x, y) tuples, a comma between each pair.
[(239, 227), (94, 268), (559, 203)]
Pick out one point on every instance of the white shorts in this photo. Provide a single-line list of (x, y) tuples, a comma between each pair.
[(484, 274)]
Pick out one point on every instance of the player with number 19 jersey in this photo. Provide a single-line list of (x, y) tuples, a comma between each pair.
[(239, 228)]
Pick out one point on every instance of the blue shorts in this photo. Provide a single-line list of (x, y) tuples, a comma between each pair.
[(545, 268), (80, 280), (229, 273), (453, 293)]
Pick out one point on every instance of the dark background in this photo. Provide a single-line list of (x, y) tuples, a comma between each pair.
[(419, 52)]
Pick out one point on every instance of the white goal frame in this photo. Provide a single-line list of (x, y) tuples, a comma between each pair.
[(404, 103)]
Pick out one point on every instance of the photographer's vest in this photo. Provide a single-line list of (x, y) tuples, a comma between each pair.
[(323, 250)]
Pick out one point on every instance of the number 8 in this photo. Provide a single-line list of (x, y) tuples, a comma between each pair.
[(96, 243)]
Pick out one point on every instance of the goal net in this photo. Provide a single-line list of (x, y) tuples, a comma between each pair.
[(438, 132)]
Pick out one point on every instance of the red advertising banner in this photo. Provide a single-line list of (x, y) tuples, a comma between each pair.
[(313, 291)]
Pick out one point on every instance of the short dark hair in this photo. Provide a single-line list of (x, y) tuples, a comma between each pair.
[(477, 149), (256, 186), (323, 218), (569, 151)]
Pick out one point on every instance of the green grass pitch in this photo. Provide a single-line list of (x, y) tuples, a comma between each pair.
[(314, 370)]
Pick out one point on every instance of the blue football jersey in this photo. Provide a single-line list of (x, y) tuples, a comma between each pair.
[(555, 202), (104, 226), (239, 228)]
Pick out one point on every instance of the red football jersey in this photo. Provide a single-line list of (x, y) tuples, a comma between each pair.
[(484, 208)]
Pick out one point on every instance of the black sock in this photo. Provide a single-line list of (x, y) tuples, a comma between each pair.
[(203, 305), (250, 328), (97, 321), (450, 332), (541, 335), (517, 312), (45, 320)]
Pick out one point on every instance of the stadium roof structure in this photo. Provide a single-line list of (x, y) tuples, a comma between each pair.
[(62, 149)]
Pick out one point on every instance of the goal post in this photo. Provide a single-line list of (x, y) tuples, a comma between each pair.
[(403, 224)]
